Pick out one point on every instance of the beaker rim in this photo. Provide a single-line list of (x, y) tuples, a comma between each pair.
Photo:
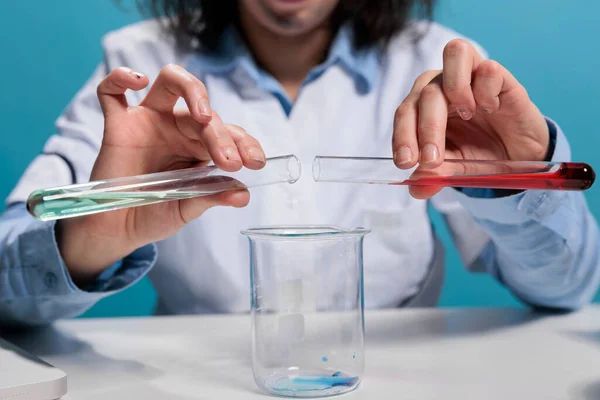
[(304, 231)]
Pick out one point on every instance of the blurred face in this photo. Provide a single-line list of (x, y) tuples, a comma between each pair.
[(288, 17)]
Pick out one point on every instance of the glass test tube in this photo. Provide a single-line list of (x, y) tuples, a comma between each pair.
[(114, 194), (517, 175)]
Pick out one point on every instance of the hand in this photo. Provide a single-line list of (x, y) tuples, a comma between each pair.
[(472, 109), (147, 138)]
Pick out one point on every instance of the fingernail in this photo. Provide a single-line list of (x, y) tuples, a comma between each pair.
[(464, 112), (232, 154), (204, 107), (403, 155), (136, 75), (256, 155), (430, 153), (488, 110)]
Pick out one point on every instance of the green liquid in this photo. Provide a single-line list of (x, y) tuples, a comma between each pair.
[(71, 204)]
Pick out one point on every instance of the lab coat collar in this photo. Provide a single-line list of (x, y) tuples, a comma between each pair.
[(362, 65)]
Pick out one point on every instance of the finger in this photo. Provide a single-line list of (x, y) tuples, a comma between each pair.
[(460, 60), (220, 145), (111, 91), (174, 82), (421, 175), (495, 87), (191, 209), (487, 86), (187, 125), (423, 192), (405, 146), (218, 142), (423, 178), (431, 129), (249, 148), (424, 80)]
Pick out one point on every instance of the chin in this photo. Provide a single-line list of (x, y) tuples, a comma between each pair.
[(289, 29)]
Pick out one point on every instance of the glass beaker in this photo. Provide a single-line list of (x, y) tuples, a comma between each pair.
[(307, 309)]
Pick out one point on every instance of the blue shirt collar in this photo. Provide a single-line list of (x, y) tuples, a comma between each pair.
[(362, 65)]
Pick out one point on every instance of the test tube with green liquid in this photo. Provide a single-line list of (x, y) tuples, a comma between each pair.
[(114, 194)]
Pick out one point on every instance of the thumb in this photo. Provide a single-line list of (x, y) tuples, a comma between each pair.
[(423, 192), (111, 91), (191, 209)]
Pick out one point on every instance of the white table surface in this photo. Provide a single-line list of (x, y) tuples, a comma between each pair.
[(411, 354)]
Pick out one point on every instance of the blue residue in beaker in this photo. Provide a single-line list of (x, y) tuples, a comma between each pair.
[(314, 383), (324, 358)]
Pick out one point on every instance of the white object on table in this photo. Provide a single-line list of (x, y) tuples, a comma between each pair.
[(25, 377), (411, 354)]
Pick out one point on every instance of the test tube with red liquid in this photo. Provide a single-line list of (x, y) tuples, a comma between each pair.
[(515, 175)]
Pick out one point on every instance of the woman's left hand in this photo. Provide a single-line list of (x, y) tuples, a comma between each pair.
[(472, 109)]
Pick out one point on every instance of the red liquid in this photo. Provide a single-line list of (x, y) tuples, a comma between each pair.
[(569, 176)]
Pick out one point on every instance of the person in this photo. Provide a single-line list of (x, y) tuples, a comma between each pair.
[(242, 80)]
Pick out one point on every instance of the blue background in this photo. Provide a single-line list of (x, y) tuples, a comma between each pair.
[(50, 48)]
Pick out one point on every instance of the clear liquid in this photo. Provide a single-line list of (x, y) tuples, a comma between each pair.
[(309, 383), (49, 205)]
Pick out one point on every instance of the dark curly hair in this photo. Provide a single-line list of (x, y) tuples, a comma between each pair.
[(203, 21)]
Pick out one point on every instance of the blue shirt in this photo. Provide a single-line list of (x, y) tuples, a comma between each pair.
[(542, 245)]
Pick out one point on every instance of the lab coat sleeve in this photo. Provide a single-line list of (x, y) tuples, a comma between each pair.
[(35, 287), (543, 245)]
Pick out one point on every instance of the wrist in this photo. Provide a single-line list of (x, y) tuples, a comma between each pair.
[(552, 138), (84, 256), (547, 141)]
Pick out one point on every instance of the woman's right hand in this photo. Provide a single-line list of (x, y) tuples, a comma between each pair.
[(152, 137)]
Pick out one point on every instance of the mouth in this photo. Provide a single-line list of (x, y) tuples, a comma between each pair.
[(286, 5)]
